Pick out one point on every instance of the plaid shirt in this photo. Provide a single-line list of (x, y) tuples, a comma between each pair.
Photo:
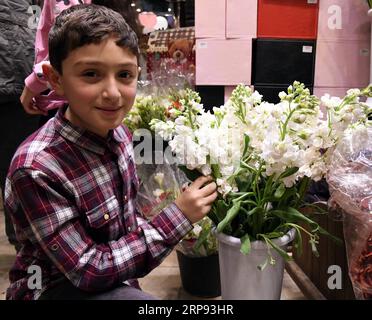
[(71, 195)]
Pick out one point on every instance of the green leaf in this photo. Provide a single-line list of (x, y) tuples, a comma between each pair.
[(202, 239), (231, 214), (245, 248), (244, 182), (216, 171), (280, 191), (293, 215), (288, 172), (274, 234), (246, 145), (221, 209), (254, 210), (278, 249), (247, 166), (298, 242)]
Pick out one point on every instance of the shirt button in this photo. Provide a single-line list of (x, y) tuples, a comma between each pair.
[(125, 198), (129, 229), (106, 216), (54, 247)]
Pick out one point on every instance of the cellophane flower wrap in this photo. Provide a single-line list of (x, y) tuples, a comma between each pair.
[(262, 157), (160, 186), (350, 181)]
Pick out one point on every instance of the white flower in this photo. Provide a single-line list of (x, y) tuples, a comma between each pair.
[(206, 170), (159, 178), (197, 229), (158, 192), (224, 187), (351, 92), (163, 129), (282, 95)]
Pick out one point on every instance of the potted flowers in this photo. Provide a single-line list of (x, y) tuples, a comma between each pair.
[(197, 257), (262, 157)]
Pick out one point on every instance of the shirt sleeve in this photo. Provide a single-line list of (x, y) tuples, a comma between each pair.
[(56, 225), (36, 82)]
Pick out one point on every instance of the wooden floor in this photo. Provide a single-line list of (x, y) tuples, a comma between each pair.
[(163, 282)]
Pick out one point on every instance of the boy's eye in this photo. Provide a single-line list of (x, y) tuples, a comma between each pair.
[(125, 74), (90, 74)]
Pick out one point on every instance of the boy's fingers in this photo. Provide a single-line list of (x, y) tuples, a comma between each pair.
[(199, 182), (208, 189), (207, 209), (208, 200)]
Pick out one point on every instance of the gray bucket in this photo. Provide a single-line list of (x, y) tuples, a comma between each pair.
[(240, 277)]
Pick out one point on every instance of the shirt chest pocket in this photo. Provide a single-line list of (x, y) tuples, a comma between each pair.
[(105, 216)]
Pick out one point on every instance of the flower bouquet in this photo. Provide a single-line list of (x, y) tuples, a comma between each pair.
[(164, 180), (197, 251), (350, 181), (262, 157)]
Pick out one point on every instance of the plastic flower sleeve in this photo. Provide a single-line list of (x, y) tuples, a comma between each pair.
[(350, 182), (201, 241), (160, 185)]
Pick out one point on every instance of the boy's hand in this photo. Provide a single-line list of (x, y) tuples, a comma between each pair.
[(196, 201)]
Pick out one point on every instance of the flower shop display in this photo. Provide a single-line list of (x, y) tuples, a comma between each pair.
[(262, 157), (350, 181)]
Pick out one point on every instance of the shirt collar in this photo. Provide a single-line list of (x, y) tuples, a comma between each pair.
[(84, 138)]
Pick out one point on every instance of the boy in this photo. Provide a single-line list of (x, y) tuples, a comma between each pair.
[(72, 185)]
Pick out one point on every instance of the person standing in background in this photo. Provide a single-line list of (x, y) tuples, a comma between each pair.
[(16, 58), (34, 99)]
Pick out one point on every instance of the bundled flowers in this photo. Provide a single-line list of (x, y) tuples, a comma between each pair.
[(262, 156), (145, 108), (162, 182), (350, 181), (201, 241), (162, 186), (165, 107)]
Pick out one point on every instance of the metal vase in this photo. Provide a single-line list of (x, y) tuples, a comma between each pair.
[(240, 276)]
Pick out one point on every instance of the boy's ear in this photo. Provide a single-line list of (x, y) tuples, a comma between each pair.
[(54, 78)]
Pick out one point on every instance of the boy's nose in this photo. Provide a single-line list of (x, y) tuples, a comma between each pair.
[(111, 90)]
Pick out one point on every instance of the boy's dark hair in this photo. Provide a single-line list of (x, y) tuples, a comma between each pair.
[(85, 24), (125, 8)]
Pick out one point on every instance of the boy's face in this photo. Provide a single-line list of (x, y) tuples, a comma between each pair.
[(100, 82)]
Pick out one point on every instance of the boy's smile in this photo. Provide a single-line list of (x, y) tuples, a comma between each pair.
[(100, 82)]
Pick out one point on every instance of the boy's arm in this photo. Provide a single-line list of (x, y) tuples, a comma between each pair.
[(35, 82), (56, 225)]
